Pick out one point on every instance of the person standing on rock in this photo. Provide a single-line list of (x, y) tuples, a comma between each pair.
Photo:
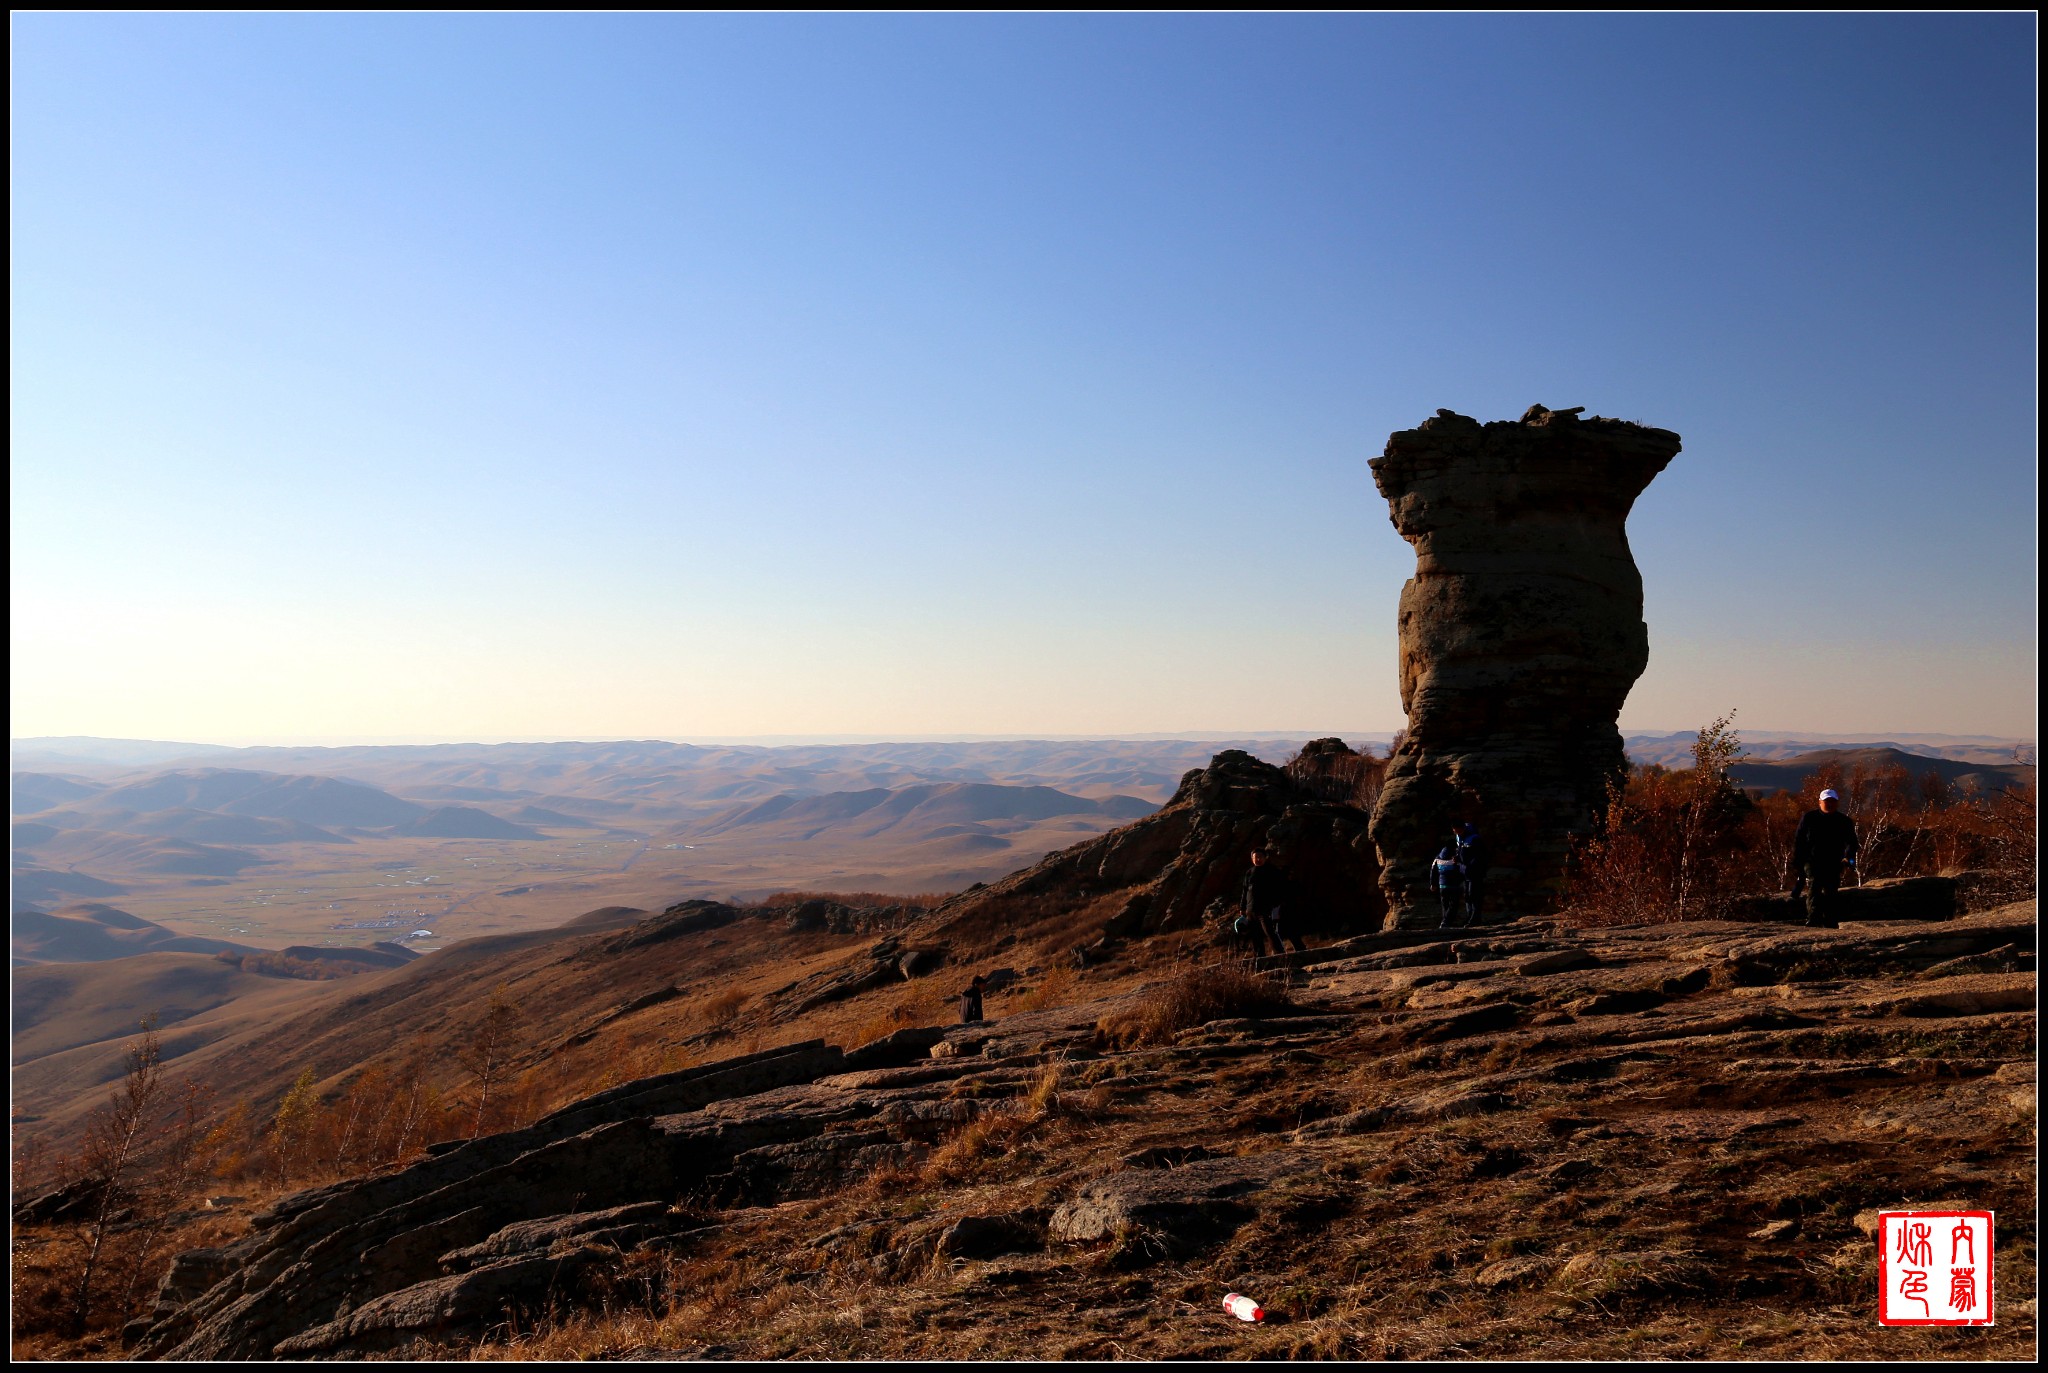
[(1265, 890), (970, 1001), (1472, 858), (1447, 875), (1824, 841)]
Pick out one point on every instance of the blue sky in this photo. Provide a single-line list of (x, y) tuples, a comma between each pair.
[(454, 376)]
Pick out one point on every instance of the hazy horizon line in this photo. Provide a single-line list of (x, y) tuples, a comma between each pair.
[(793, 740)]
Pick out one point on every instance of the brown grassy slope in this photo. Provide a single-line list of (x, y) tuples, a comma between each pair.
[(738, 988), (53, 1093), (1670, 1154), (564, 983), (60, 1006), (1519, 1142)]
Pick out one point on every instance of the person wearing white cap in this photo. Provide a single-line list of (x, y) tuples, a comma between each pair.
[(1825, 840)]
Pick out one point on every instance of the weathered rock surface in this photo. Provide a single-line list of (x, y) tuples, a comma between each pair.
[(73, 1201), (1574, 1120), (1168, 869), (641, 1220), (1177, 1208), (1520, 636), (1885, 898), (453, 1304), (332, 1249)]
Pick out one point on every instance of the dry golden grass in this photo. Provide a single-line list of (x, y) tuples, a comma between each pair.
[(1057, 987), (667, 1303), (1193, 998), (43, 1273), (926, 1002), (1042, 1098), (964, 1153), (1050, 920)]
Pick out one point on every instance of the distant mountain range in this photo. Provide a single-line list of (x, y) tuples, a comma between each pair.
[(82, 749), (1790, 774), (206, 836), (232, 806), (1675, 750), (102, 830), (1139, 765), (880, 809)]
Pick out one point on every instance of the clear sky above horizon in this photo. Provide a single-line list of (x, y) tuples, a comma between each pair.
[(680, 375)]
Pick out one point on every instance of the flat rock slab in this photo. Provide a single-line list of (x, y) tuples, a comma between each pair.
[(445, 1305), (538, 1236), (1184, 1206)]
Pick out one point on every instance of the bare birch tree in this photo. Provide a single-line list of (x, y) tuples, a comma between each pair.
[(487, 1056), (116, 1139)]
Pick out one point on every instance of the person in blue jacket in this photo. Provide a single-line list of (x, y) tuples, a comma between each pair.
[(1447, 876)]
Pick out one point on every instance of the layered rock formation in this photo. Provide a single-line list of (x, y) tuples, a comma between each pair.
[(1521, 634), (1185, 863)]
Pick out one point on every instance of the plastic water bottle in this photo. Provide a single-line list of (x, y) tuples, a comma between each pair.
[(1243, 1307)]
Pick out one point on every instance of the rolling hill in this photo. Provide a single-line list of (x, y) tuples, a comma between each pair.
[(90, 932), (34, 885), (249, 844), (30, 792), (878, 811), (127, 856), (233, 791), (213, 827), (60, 1008)]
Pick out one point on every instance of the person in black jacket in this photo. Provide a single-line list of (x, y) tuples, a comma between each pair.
[(1472, 858), (1265, 893), (1824, 841), (970, 1001)]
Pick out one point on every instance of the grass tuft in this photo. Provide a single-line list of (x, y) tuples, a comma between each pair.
[(1193, 998)]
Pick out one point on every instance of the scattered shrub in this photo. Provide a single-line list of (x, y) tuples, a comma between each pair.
[(720, 1009), (1685, 845), (145, 1152)]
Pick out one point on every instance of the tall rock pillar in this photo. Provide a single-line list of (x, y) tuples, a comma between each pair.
[(1521, 634)]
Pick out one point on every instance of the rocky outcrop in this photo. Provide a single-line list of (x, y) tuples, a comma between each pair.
[(1170, 870), (1520, 636), (319, 1254), (540, 1216)]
